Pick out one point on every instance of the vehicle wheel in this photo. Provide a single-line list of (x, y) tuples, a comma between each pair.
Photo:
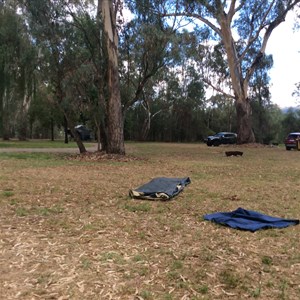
[(216, 143), (288, 148), (209, 144)]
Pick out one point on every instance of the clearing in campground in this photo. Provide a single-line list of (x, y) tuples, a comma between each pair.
[(69, 229)]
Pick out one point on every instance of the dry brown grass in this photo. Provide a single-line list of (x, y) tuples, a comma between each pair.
[(70, 231)]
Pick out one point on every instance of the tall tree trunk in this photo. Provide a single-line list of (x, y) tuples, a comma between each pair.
[(52, 129), (2, 88), (115, 126), (145, 128), (244, 122), (115, 141), (1, 115), (22, 127), (66, 130), (23, 120), (240, 85), (6, 115), (98, 134)]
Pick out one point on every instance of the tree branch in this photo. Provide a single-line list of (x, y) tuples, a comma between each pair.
[(195, 16), (253, 38), (276, 22), (218, 89), (232, 10)]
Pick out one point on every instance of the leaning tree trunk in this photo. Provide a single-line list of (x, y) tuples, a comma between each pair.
[(78, 141), (115, 135), (77, 138)]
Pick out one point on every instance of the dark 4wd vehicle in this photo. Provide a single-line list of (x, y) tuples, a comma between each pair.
[(291, 140), (83, 132), (221, 138)]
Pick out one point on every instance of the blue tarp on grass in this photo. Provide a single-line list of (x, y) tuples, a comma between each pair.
[(249, 220), (160, 188)]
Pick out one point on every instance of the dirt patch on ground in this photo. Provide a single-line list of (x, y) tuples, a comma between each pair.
[(102, 156), (69, 230)]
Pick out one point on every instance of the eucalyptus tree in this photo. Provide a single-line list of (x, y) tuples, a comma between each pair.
[(296, 92), (107, 12), (89, 80), (57, 27), (101, 36), (260, 99), (53, 35), (241, 29), (291, 120), (8, 42), (275, 116), (177, 107), (186, 93), (17, 72), (145, 49), (220, 114), (44, 117), (148, 47)]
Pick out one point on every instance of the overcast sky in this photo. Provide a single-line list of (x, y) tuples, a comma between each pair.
[(284, 44)]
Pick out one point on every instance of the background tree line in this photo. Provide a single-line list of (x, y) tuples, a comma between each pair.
[(54, 74)]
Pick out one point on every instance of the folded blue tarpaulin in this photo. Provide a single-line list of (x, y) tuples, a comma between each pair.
[(249, 220), (160, 188)]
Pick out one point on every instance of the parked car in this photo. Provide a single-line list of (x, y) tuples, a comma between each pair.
[(221, 138), (291, 140)]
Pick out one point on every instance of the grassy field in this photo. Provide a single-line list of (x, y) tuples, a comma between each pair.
[(70, 231), (37, 144)]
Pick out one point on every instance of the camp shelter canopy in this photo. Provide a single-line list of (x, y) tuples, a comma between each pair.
[(160, 188)]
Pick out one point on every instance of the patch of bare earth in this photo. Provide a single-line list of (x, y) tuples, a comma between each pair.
[(70, 231)]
